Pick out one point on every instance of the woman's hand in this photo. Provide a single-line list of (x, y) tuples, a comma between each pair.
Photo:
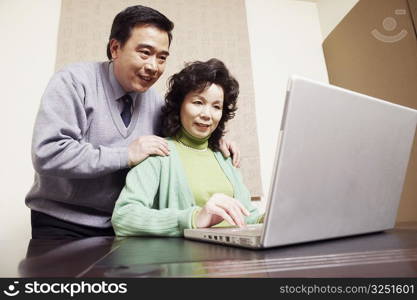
[(221, 207)]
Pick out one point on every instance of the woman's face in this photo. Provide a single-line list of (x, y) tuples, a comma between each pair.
[(202, 111)]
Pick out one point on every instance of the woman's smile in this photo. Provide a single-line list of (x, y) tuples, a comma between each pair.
[(202, 127)]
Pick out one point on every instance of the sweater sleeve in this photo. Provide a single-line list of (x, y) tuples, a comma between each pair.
[(136, 212), (61, 123)]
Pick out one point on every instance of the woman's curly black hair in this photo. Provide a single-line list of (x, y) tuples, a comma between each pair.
[(196, 76)]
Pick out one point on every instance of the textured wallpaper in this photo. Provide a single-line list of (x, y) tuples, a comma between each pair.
[(203, 29)]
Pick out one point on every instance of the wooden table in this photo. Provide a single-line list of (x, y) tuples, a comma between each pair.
[(387, 254)]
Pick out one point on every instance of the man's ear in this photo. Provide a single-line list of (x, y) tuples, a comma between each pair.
[(114, 48)]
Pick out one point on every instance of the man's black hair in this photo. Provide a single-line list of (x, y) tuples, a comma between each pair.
[(133, 16)]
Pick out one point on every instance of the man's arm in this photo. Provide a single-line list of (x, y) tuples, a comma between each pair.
[(57, 145)]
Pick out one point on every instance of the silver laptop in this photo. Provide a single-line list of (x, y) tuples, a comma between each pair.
[(339, 169)]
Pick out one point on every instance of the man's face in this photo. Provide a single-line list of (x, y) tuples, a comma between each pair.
[(140, 62)]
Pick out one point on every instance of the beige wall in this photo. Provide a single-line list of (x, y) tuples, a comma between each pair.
[(285, 38), (28, 58), (331, 12)]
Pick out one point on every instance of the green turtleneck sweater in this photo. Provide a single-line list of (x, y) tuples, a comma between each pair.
[(204, 174)]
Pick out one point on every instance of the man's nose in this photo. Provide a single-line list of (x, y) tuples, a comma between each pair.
[(151, 66)]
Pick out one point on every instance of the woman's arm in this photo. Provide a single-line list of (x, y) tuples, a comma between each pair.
[(137, 210), (245, 198)]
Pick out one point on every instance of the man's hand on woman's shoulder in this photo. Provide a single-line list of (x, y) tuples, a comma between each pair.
[(229, 148), (145, 146)]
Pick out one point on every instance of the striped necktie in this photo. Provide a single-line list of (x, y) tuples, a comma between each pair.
[(127, 109)]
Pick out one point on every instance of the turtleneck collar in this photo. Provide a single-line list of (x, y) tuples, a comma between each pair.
[(191, 141)]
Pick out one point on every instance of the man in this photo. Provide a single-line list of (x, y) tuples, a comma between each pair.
[(95, 121)]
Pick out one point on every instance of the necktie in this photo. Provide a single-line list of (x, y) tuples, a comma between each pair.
[(127, 109)]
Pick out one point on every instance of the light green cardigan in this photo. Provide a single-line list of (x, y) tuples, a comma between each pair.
[(156, 199)]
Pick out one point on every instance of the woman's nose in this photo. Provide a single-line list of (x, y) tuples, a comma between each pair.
[(205, 112)]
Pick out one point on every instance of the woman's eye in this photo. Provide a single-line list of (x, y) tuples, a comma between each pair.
[(218, 107)]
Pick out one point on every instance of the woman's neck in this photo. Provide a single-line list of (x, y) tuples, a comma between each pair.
[(190, 141)]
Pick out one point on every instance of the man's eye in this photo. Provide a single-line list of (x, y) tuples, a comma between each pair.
[(145, 52), (163, 58)]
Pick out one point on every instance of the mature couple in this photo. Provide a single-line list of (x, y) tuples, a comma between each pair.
[(97, 120)]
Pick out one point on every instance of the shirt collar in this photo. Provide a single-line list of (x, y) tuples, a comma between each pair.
[(118, 91)]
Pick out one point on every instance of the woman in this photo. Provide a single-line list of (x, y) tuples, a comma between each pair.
[(195, 186)]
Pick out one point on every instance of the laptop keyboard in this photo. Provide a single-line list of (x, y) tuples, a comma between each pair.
[(252, 229)]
